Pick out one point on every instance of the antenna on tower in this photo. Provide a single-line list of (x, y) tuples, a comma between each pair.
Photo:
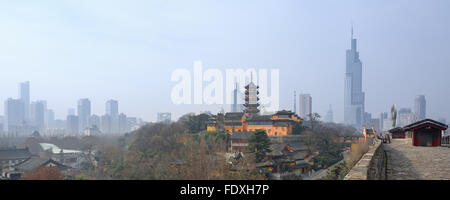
[(352, 30)]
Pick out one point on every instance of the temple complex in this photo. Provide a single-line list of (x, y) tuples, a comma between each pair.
[(249, 120)]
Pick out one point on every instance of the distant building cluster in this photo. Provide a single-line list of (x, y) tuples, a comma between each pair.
[(22, 117)]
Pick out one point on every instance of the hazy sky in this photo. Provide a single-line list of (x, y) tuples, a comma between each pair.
[(127, 50)]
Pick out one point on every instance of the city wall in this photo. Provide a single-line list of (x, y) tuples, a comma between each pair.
[(371, 166)]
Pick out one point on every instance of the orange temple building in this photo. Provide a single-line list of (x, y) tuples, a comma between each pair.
[(278, 124)]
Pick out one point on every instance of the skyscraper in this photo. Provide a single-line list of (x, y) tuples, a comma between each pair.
[(420, 107), (37, 114), (354, 97), (14, 115), (112, 107), (84, 113), (305, 106), (24, 96), (238, 99), (112, 110)]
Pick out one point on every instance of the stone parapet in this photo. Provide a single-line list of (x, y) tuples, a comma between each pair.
[(371, 166)]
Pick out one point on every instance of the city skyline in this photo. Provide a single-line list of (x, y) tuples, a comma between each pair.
[(117, 49)]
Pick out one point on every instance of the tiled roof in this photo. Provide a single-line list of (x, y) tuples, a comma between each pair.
[(234, 115), (259, 118), (240, 135), (13, 154), (426, 121), (35, 162), (298, 155), (297, 146), (277, 149), (284, 112), (396, 130)]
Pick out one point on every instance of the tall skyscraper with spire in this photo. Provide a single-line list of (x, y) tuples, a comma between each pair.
[(354, 97), (238, 99)]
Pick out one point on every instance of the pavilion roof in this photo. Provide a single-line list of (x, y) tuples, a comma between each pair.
[(415, 125)]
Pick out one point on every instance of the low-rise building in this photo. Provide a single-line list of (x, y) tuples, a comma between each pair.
[(12, 156)]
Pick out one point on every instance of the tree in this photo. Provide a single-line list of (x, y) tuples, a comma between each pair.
[(195, 123), (314, 118), (44, 173), (298, 128), (259, 144)]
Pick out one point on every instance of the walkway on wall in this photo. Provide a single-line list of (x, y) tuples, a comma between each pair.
[(406, 162)]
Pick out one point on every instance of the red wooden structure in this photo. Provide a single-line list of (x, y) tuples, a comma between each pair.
[(397, 132), (426, 132)]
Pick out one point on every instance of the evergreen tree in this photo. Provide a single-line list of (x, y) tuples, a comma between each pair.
[(259, 144)]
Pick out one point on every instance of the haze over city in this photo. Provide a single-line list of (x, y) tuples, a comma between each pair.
[(104, 50)]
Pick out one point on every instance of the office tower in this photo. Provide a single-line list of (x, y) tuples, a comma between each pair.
[(164, 117), (329, 115), (84, 113), (14, 115), (24, 96), (72, 125), (112, 109), (305, 106), (354, 97), (420, 107), (37, 114)]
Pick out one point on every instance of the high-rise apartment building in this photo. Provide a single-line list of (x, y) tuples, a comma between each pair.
[(354, 97)]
